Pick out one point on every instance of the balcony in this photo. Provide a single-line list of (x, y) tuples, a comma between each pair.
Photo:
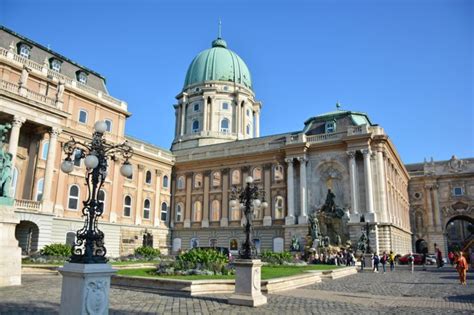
[(28, 205)]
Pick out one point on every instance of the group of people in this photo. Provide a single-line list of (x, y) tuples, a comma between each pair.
[(383, 260)]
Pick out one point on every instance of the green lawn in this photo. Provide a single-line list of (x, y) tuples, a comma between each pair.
[(268, 272)]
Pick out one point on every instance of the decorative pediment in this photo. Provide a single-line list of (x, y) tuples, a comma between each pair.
[(459, 208)]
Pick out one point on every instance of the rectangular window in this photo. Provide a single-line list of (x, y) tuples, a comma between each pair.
[(82, 116), (330, 127), (196, 107), (56, 65), (457, 191), (25, 51), (225, 106)]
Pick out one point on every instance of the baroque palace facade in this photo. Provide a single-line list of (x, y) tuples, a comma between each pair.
[(180, 198)]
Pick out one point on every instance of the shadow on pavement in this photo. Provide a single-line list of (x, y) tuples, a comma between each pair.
[(461, 298), (7, 308)]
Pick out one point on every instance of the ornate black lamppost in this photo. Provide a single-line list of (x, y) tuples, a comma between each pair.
[(89, 247), (367, 229), (249, 198)]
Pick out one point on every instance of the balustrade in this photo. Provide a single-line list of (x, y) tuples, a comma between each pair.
[(28, 204)]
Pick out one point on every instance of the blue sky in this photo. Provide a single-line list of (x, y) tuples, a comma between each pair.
[(407, 63)]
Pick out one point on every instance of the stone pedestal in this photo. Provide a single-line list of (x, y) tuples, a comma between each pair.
[(247, 283), (85, 288), (290, 220), (10, 258), (368, 261)]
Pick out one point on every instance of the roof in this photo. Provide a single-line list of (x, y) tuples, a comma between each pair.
[(358, 118)]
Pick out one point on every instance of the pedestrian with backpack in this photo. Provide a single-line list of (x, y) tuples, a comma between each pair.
[(376, 261), (383, 260)]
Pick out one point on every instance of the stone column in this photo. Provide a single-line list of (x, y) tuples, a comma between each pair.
[(382, 190), (368, 184), (237, 118), (188, 207), (183, 119), (290, 218), (204, 115), (437, 214), (14, 137), (211, 106), (257, 123), (267, 176), (177, 130), (429, 208), (352, 175), (302, 219), (48, 176), (114, 208), (157, 215), (205, 205), (139, 203), (225, 197)]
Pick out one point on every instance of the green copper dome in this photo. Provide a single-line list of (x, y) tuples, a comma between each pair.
[(218, 64)]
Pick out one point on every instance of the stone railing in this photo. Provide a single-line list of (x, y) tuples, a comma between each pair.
[(44, 69), (325, 137), (13, 88), (357, 130), (30, 205), (148, 148)]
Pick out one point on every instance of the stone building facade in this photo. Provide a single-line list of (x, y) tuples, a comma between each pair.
[(48, 99), (442, 204)]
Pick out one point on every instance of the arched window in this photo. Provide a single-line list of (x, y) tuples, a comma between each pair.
[(234, 212), (216, 179), (198, 180), (146, 209), (73, 199), (181, 182), (127, 206), (195, 125), (279, 207), (39, 189), (278, 172), (330, 126), (165, 181), (14, 181), (215, 210), (278, 244), (179, 212), (194, 242), (44, 150), (225, 125), (164, 212), (101, 197), (108, 123), (176, 245), (257, 174), (83, 116), (235, 177), (148, 177), (234, 244), (197, 211)]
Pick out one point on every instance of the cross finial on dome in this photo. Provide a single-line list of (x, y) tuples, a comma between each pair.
[(338, 105), (219, 32)]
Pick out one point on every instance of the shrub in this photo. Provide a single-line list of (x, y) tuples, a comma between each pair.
[(147, 252), (202, 259), (276, 258), (58, 250)]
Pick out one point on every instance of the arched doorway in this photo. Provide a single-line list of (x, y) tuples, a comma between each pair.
[(27, 233), (459, 232), (421, 246)]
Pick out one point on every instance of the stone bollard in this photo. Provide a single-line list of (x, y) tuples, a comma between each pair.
[(247, 283)]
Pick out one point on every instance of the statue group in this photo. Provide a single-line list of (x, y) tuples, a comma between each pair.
[(5, 164)]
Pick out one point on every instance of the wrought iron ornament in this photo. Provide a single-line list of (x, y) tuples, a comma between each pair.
[(89, 245), (247, 197)]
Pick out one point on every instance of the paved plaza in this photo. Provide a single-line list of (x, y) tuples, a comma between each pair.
[(424, 292)]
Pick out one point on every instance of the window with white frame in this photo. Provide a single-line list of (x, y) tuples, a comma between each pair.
[(108, 124), (216, 179), (225, 106), (101, 197), (55, 65), (165, 181), (44, 150), (83, 116), (279, 207), (73, 198), (82, 77), (179, 212), (458, 191), (127, 206), (330, 126), (24, 50), (39, 189), (164, 212), (198, 180), (234, 212), (235, 177), (196, 107), (77, 155), (197, 211), (181, 183), (148, 177), (146, 209), (257, 174), (225, 125), (215, 210), (195, 125), (278, 172)]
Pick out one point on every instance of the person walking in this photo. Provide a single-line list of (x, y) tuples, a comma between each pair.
[(411, 261), (451, 258), (376, 261), (391, 259), (362, 262), (461, 267), (439, 258), (383, 260)]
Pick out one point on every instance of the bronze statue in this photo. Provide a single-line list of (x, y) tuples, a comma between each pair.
[(313, 226), (5, 164)]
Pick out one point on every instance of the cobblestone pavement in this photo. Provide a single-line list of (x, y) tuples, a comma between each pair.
[(401, 292)]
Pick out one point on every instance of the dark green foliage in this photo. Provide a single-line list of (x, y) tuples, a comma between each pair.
[(57, 250), (147, 252), (276, 258)]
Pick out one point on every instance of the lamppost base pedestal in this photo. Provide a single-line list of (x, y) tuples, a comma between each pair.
[(247, 283), (10, 260), (85, 288)]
